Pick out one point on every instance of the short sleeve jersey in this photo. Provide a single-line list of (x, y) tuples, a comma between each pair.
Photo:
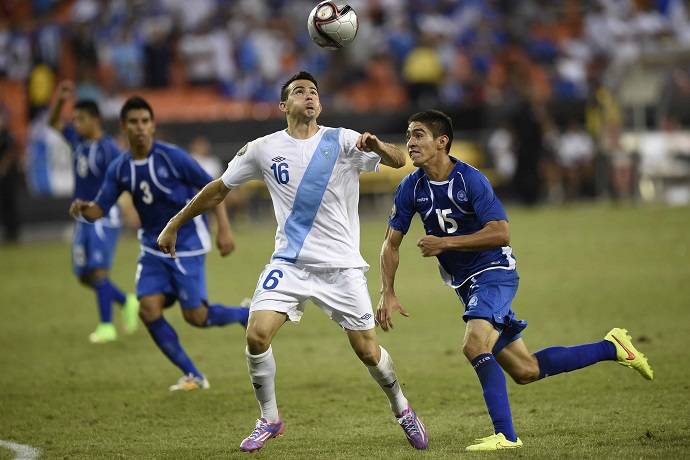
[(160, 185), (314, 186), (90, 161), (460, 205)]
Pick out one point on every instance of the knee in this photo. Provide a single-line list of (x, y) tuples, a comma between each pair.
[(471, 349), (368, 355), (196, 316), (258, 339), (528, 372), (149, 312)]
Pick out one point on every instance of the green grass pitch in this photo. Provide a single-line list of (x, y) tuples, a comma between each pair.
[(583, 269)]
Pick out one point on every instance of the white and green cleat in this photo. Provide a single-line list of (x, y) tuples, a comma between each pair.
[(130, 314), (105, 332), (626, 353)]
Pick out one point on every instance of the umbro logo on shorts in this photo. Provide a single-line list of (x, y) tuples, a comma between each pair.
[(277, 159), (366, 316)]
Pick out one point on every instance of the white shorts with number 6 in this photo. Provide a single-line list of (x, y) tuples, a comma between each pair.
[(341, 293)]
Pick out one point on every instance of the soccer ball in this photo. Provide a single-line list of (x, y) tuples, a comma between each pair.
[(332, 24)]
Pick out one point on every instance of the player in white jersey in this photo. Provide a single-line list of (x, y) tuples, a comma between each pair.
[(312, 173)]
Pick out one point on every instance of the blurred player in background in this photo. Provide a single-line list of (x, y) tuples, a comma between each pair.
[(467, 230), (312, 173), (93, 246), (162, 178)]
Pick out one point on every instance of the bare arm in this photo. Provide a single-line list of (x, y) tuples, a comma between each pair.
[(389, 260), (224, 239), (64, 90), (86, 209), (390, 154), (494, 234), (208, 197)]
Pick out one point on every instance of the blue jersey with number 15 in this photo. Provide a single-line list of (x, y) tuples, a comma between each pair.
[(161, 184), (460, 205)]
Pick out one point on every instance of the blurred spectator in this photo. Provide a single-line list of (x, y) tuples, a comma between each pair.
[(423, 72), (9, 182), (200, 149), (575, 157), (501, 150)]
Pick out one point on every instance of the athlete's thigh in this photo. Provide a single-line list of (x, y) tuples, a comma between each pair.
[(282, 288), (93, 247), (343, 295), (480, 332), (363, 341), (189, 280), (515, 358), (152, 276)]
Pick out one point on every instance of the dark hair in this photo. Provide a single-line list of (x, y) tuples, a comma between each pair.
[(438, 123), (89, 106), (301, 75), (134, 103)]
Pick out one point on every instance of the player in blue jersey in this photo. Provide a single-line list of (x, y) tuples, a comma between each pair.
[(467, 230), (94, 243), (162, 178)]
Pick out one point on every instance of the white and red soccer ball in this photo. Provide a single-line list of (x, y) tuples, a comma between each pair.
[(333, 24)]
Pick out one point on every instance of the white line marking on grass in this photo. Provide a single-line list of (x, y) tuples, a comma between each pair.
[(23, 451)]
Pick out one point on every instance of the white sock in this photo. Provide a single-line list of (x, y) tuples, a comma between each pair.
[(384, 374), (262, 373)]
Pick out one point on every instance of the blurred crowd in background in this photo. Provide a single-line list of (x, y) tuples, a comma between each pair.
[(518, 60)]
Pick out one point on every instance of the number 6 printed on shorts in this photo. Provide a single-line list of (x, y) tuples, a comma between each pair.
[(271, 280)]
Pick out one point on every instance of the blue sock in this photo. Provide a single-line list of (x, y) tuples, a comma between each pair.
[(166, 339), (116, 294), (554, 360), (105, 300), (220, 315), (495, 394)]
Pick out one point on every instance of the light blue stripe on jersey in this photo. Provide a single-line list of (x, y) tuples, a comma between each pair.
[(309, 194)]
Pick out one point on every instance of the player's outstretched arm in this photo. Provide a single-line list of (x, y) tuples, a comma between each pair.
[(225, 241), (494, 234), (390, 258), (208, 197), (85, 209), (390, 154), (64, 90)]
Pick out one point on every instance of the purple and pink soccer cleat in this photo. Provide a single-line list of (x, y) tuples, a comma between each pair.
[(262, 433), (414, 429)]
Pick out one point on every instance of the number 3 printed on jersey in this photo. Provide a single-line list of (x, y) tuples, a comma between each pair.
[(448, 224), (147, 196)]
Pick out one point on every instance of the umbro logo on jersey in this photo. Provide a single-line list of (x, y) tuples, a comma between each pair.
[(422, 199), (366, 316), (277, 159), (257, 385)]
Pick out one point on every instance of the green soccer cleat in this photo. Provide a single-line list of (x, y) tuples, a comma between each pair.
[(130, 314), (494, 442), (105, 332), (626, 353)]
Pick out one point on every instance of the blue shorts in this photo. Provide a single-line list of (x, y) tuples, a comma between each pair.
[(93, 246), (182, 279), (489, 296)]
